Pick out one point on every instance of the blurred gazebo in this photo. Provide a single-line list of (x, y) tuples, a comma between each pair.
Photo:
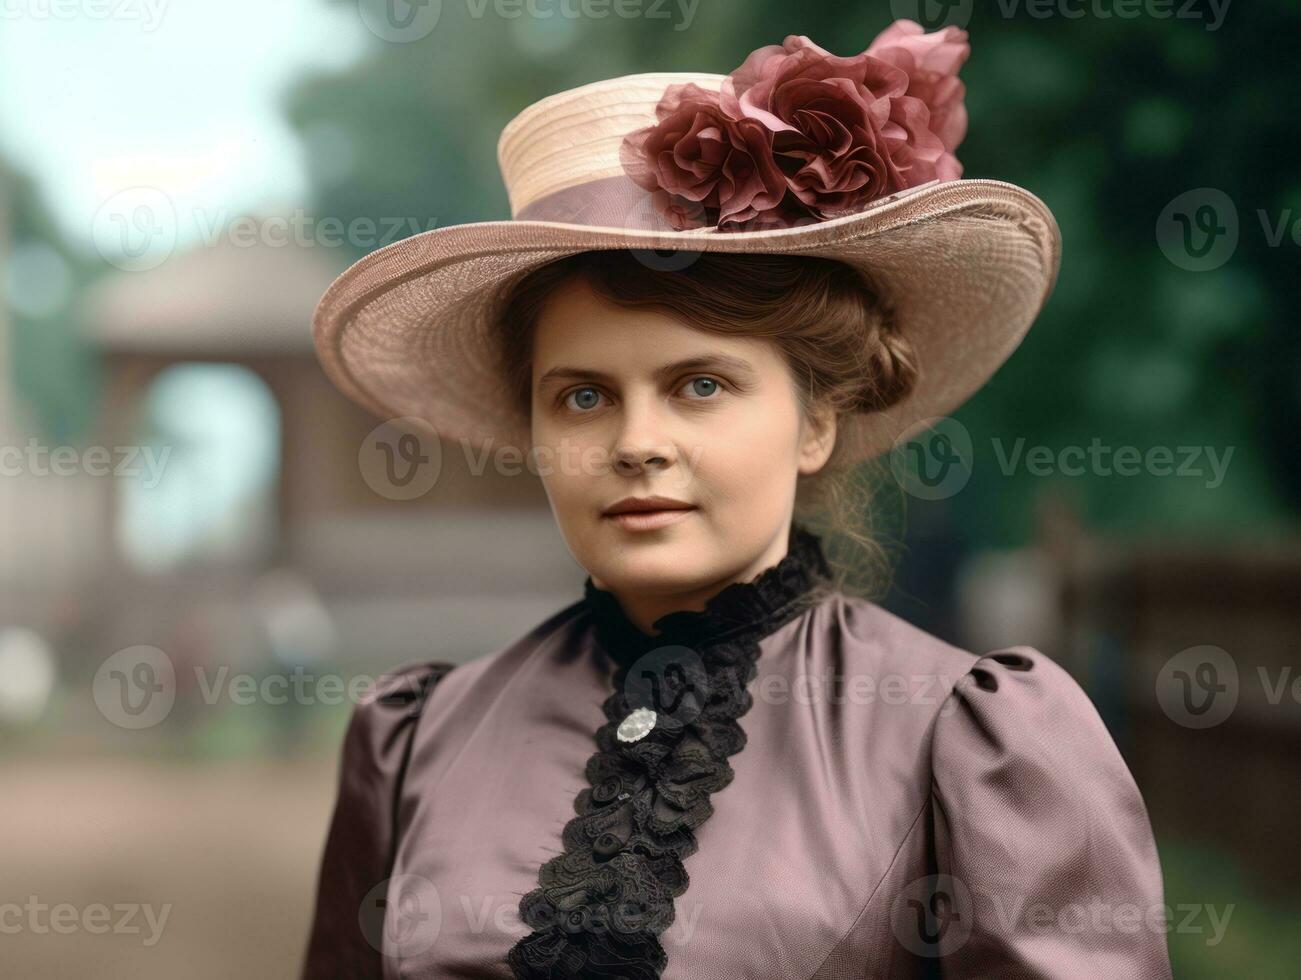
[(211, 354)]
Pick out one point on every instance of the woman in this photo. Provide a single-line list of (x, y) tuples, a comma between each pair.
[(718, 295)]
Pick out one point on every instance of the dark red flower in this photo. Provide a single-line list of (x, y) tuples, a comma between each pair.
[(799, 135), (702, 167)]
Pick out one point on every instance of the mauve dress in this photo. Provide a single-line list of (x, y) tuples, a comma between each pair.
[(900, 808)]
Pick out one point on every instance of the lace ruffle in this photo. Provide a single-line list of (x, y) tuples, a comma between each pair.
[(602, 903)]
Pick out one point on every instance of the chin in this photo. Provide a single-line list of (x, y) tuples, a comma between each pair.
[(649, 561)]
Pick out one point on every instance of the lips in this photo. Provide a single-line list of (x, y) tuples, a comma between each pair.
[(650, 520), (630, 505), (648, 513)]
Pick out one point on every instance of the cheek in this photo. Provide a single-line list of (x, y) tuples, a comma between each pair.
[(568, 462), (754, 450)]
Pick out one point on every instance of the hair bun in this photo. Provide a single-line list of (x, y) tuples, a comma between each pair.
[(890, 371)]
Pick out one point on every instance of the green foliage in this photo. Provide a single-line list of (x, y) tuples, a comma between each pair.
[(1254, 938), (54, 374)]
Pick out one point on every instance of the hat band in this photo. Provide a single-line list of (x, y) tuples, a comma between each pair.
[(619, 202), (608, 202)]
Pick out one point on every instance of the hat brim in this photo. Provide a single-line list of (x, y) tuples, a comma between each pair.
[(410, 330)]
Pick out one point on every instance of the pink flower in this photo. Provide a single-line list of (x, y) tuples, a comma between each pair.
[(701, 166), (844, 131), (931, 62), (798, 134)]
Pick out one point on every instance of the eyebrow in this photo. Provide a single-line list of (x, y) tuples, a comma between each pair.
[(726, 361)]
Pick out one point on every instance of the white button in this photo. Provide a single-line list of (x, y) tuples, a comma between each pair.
[(637, 725)]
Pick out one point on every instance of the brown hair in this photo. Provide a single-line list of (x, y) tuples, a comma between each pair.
[(835, 332)]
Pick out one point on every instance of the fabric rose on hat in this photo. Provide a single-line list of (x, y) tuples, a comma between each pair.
[(931, 62), (843, 129), (798, 134), (700, 165)]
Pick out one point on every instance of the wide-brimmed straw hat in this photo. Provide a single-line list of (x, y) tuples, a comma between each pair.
[(797, 152)]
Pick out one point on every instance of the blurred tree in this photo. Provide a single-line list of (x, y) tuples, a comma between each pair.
[(53, 373)]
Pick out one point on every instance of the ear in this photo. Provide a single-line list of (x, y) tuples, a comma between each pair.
[(818, 438)]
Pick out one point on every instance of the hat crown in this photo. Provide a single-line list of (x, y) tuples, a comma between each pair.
[(573, 137)]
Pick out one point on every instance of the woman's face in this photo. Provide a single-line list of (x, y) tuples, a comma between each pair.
[(635, 403)]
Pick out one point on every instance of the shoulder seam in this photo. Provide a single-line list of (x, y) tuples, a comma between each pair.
[(428, 674), (437, 671)]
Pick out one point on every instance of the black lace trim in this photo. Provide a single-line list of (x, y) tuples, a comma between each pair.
[(603, 902)]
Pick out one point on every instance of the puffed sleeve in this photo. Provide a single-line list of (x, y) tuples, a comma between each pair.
[(1044, 847), (362, 838)]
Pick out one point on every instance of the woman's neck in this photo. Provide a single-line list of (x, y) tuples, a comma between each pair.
[(643, 609)]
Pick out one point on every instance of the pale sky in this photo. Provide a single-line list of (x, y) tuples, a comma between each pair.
[(181, 96)]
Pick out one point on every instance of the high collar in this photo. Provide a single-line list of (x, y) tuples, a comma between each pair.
[(740, 611)]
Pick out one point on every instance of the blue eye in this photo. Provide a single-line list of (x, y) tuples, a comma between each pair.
[(588, 399), (703, 387)]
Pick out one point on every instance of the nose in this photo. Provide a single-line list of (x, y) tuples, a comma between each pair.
[(641, 442)]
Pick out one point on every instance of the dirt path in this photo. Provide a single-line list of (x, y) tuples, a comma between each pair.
[(217, 860)]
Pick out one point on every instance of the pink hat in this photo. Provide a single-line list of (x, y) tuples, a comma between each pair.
[(797, 151)]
